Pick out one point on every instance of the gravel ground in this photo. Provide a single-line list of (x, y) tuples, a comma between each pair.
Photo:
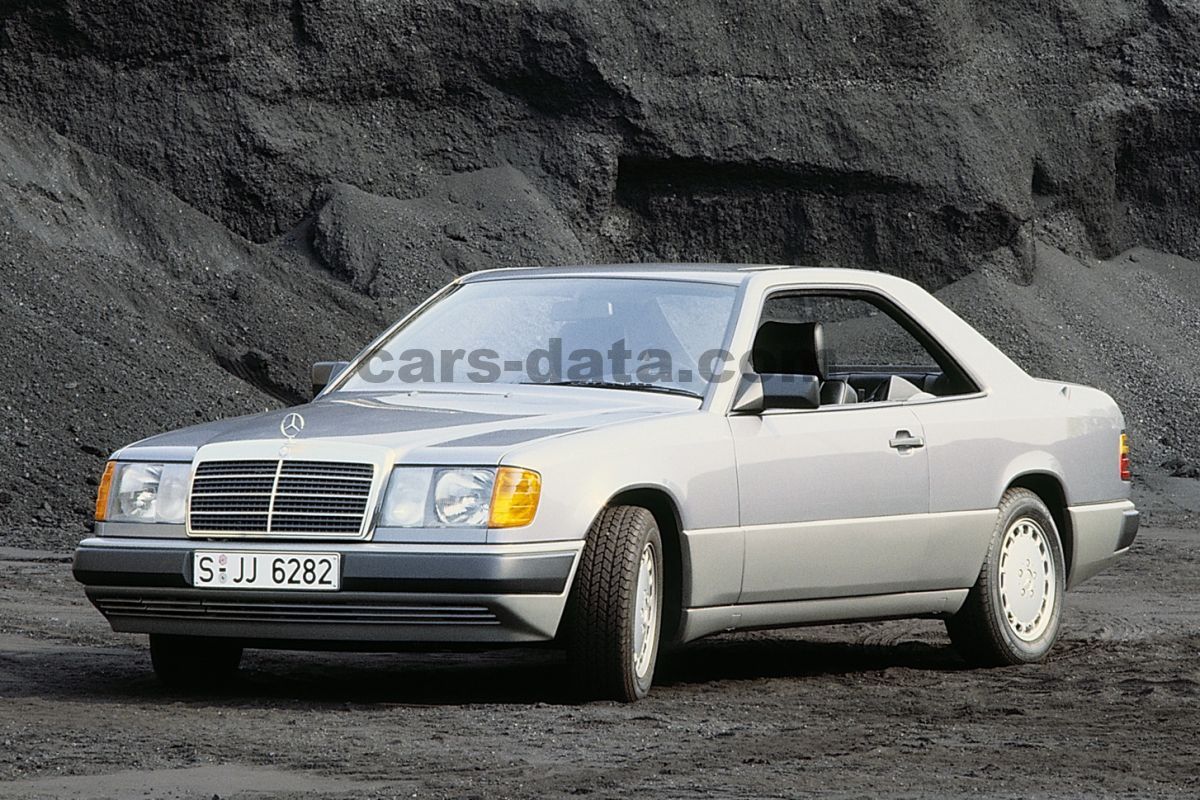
[(873, 710)]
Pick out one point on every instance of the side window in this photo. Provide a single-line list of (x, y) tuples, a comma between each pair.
[(864, 345)]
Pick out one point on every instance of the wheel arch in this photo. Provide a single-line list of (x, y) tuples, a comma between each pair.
[(662, 504), (1049, 487)]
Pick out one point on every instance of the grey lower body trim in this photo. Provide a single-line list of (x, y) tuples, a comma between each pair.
[(853, 557), (1101, 533), (700, 622), (1129, 529), (713, 560), (322, 619)]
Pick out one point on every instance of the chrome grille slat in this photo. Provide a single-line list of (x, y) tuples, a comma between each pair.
[(316, 486), (291, 494), (231, 485), (308, 526), (202, 507), (337, 504), (262, 466), (296, 498), (338, 477), (318, 513), (231, 524), (324, 468)]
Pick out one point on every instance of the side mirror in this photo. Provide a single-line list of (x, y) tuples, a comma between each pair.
[(323, 373), (759, 393)]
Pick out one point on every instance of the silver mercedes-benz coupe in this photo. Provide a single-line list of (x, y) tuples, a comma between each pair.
[(615, 459)]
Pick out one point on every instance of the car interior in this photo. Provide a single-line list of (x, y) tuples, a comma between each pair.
[(799, 347)]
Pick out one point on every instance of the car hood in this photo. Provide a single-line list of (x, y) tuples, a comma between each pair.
[(424, 426)]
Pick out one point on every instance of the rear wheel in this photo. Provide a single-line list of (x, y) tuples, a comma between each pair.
[(193, 662), (1013, 612), (614, 612)]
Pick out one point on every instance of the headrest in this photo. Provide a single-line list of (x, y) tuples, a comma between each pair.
[(789, 348)]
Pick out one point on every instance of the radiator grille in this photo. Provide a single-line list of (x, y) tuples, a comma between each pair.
[(298, 498)]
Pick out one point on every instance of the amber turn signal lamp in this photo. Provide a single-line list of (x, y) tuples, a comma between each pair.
[(102, 493), (514, 497), (1125, 466)]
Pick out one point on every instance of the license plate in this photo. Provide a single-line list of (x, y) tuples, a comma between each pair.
[(303, 571)]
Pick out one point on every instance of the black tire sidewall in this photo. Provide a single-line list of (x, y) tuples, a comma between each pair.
[(601, 612), (1026, 506)]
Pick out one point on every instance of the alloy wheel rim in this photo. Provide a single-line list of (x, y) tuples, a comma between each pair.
[(1027, 579), (645, 621)]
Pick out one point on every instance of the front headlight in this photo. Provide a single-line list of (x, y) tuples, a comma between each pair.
[(138, 491), (460, 497)]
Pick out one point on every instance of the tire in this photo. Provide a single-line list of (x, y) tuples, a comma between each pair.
[(193, 662), (1013, 612), (614, 611)]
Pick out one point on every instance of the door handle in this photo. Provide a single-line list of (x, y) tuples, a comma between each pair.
[(904, 440)]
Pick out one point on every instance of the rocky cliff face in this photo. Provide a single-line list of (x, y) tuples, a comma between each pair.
[(256, 185), (914, 135)]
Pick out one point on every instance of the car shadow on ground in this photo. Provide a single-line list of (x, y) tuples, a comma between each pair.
[(764, 656), (506, 676)]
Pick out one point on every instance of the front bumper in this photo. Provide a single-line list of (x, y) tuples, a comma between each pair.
[(390, 593)]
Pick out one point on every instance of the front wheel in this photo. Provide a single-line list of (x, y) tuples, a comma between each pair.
[(1012, 614), (614, 612), (193, 662)]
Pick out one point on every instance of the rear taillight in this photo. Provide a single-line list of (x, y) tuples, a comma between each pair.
[(1126, 469)]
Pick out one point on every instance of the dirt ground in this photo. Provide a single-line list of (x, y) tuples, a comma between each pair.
[(883, 709)]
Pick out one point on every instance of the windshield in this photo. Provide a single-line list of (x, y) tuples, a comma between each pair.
[(654, 335)]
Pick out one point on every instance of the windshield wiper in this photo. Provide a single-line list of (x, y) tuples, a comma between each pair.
[(632, 386)]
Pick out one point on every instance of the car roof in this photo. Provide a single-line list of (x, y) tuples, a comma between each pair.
[(709, 273)]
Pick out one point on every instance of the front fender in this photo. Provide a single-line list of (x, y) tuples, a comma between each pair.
[(688, 456)]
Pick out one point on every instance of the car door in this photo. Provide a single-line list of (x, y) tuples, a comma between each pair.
[(972, 441), (834, 501), (827, 503)]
